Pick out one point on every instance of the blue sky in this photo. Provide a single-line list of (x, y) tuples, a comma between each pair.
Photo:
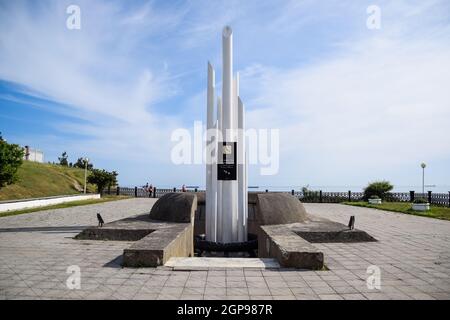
[(352, 104)]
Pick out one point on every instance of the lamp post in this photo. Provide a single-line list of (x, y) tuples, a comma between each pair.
[(86, 160), (423, 165)]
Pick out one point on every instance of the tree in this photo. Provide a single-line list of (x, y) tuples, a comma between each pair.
[(81, 163), (11, 157), (102, 179), (63, 159), (113, 181), (378, 188)]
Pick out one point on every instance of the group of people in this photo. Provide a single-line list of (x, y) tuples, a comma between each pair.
[(149, 188)]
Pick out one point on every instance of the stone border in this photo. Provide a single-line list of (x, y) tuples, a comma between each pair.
[(291, 251), (42, 202)]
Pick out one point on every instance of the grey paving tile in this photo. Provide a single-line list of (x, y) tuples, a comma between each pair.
[(414, 264)]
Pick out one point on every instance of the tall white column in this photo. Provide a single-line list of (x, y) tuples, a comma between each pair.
[(242, 175), (210, 207), (226, 200), (229, 199), (219, 183), (214, 186), (236, 221)]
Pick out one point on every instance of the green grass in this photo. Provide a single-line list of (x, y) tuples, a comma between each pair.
[(436, 212), (44, 180), (64, 205)]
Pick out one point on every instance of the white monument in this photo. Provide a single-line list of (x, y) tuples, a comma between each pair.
[(226, 170)]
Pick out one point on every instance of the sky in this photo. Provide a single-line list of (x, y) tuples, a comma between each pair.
[(352, 104)]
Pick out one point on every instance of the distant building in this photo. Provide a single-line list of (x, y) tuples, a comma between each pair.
[(33, 155)]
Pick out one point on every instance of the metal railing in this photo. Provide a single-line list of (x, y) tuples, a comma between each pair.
[(440, 199)]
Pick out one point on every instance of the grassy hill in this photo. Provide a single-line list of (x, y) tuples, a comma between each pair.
[(45, 180)]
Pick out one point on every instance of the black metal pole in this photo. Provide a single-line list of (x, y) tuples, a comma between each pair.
[(349, 195), (429, 197), (411, 196), (135, 192), (320, 196)]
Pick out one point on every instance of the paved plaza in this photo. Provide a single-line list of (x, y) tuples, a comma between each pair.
[(413, 254)]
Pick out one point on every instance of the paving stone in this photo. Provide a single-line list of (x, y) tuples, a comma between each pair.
[(330, 297), (36, 249)]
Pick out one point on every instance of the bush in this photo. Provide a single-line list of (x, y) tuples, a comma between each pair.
[(380, 189), (81, 163), (63, 159), (374, 197), (102, 179), (10, 160), (310, 195)]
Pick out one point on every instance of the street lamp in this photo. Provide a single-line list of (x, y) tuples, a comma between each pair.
[(86, 160), (423, 165)]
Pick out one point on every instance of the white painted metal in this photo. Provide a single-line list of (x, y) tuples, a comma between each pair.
[(242, 175), (226, 200), (209, 201), (219, 183)]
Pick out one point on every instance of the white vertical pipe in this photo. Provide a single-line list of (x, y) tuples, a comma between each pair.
[(245, 188), (219, 183), (236, 220), (227, 82), (229, 201), (213, 226), (242, 175), (209, 206)]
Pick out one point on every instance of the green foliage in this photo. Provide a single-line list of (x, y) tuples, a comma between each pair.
[(102, 179), (11, 156), (81, 163), (420, 200), (438, 212), (378, 188), (63, 159), (374, 197), (35, 180), (310, 195)]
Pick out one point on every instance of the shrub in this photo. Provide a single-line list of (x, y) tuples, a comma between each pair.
[(374, 197), (10, 160), (81, 163), (310, 195), (63, 159), (102, 179), (378, 188)]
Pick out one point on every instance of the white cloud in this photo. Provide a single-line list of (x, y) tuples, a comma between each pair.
[(382, 104), (368, 103), (95, 74)]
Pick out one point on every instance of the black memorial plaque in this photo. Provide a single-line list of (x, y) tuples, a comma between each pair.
[(227, 166)]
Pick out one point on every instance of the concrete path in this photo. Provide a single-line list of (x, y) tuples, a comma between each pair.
[(206, 263), (36, 250)]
